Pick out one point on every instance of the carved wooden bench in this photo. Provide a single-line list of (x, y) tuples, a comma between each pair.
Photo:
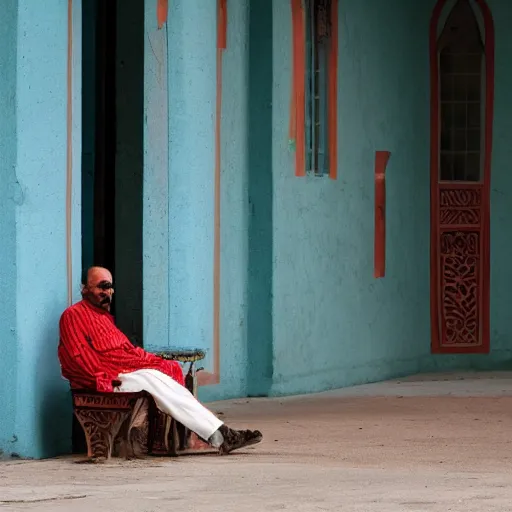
[(110, 419), (102, 415)]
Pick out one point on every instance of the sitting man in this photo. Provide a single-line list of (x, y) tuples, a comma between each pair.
[(94, 354)]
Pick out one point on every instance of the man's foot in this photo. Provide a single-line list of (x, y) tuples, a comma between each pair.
[(236, 439)]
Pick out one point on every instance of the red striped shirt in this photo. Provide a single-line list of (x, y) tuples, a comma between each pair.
[(93, 351)]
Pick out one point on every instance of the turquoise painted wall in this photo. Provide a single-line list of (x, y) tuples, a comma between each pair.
[(39, 424), (234, 207), (155, 234), (191, 67), (335, 325), (301, 311), (178, 186), (10, 196)]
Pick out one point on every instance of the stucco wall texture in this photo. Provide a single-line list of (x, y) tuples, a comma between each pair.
[(35, 401), (300, 310)]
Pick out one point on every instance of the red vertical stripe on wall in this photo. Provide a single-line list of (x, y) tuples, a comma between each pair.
[(381, 161), (298, 110), (162, 8), (222, 26), (222, 22), (332, 100)]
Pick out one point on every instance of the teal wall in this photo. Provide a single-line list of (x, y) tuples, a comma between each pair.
[(334, 324), (191, 67), (38, 404), (155, 190), (10, 196), (300, 309), (179, 186), (235, 204), (260, 232), (501, 189)]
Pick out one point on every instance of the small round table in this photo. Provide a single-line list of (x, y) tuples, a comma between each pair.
[(185, 356)]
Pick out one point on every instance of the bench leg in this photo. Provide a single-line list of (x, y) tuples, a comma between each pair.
[(101, 428), (163, 438)]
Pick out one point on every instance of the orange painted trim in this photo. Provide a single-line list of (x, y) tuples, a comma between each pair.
[(435, 316), (298, 113), (69, 156), (379, 265), (222, 25), (162, 11), (332, 99), (221, 46), (216, 249), (292, 128)]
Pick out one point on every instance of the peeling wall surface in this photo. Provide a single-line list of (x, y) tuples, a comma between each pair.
[(300, 310)]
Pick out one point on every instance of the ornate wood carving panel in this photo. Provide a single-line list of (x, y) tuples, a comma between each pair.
[(460, 275)]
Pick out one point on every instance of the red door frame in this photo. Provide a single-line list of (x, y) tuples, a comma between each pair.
[(436, 342)]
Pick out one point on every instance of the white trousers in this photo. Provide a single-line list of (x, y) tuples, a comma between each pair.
[(173, 399)]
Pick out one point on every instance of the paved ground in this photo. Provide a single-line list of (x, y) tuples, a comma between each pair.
[(433, 444)]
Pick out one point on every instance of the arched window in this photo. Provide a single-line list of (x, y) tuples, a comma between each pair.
[(461, 54), (462, 96)]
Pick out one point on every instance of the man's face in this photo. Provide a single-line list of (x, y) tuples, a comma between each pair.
[(99, 289)]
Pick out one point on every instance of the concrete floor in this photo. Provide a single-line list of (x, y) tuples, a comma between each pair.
[(430, 443)]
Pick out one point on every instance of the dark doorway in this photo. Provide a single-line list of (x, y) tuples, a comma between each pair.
[(112, 151), (112, 158)]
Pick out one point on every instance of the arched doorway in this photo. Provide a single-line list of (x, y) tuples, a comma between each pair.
[(462, 90)]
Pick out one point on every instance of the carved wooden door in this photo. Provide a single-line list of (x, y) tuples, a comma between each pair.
[(462, 73)]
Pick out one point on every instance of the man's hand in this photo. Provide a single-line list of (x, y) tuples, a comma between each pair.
[(116, 383)]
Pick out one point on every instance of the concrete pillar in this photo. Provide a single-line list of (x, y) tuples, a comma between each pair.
[(155, 183), (190, 44), (35, 233)]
